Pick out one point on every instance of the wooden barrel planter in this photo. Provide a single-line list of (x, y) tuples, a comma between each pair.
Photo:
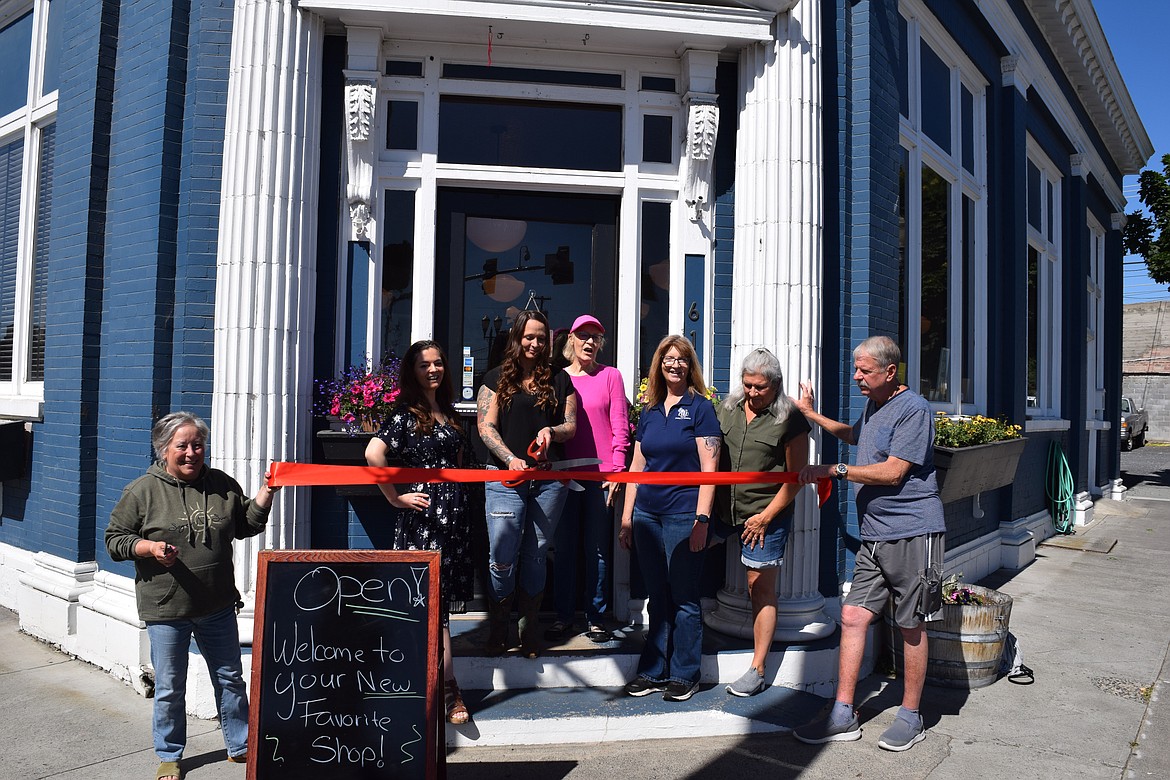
[(965, 646)]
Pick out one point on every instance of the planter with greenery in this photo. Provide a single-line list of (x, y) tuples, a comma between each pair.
[(356, 403), (974, 454)]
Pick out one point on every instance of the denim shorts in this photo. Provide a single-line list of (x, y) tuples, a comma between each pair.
[(769, 554)]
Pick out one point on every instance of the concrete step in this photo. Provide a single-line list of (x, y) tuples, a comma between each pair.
[(537, 716), (573, 693)]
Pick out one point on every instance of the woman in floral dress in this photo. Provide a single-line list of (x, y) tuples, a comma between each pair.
[(423, 432)]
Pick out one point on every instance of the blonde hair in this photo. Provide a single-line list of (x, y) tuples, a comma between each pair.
[(656, 385)]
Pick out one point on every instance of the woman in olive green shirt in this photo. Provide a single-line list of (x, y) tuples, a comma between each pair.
[(762, 431)]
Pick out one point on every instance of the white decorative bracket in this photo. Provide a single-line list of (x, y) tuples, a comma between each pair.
[(361, 88), (699, 154)]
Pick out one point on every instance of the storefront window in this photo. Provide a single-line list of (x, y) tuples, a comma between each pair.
[(942, 224)]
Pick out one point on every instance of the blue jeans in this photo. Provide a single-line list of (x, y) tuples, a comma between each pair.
[(673, 577), (218, 640), (586, 508), (520, 523)]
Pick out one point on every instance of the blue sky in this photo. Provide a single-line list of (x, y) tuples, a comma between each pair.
[(1136, 30)]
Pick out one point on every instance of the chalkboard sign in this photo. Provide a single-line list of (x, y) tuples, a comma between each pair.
[(345, 661)]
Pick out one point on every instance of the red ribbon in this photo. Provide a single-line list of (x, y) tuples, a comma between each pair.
[(287, 474)]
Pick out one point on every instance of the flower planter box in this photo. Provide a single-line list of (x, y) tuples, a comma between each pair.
[(965, 647), (967, 471), (341, 448)]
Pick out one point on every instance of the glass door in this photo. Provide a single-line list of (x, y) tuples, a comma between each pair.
[(499, 253)]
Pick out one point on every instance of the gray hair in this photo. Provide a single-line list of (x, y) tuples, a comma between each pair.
[(164, 430), (761, 361), (882, 349)]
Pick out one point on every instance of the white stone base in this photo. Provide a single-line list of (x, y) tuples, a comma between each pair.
[(1017, 545), (47, 600), (1012, 548), (91, 614)]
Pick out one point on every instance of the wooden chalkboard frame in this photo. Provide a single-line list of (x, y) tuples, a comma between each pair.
[(433, 729)]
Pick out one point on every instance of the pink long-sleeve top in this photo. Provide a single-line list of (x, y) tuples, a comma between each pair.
[(603, 424)]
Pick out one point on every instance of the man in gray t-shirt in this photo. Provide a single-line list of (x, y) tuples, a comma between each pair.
[(901, 519)]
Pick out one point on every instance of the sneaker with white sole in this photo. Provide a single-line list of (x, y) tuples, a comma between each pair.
[(643, 686), (750, 684), (824, 729), (902, 735), (680, 691)]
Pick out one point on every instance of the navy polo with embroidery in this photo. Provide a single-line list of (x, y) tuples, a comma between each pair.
[(668, 444)]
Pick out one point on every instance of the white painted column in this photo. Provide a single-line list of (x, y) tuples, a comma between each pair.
[(776, 298), (266, 268)]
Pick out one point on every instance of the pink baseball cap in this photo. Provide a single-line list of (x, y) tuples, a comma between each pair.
[(586, 319)]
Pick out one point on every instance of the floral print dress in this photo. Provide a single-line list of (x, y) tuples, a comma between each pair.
[(444, 524)]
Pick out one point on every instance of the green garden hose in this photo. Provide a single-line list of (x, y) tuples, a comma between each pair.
[(1061, 490)]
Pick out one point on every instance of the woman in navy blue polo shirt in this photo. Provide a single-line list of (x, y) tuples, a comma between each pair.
[(667, 524)]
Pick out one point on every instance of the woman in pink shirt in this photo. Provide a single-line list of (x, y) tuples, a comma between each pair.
[(603, 432)]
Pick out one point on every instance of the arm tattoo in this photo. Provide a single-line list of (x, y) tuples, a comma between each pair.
[(489, 432), (490, 435), (483, 402), (712, 443)]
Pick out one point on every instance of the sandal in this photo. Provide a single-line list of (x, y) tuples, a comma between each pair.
[(598, 633), (168, 769), (453, 700)]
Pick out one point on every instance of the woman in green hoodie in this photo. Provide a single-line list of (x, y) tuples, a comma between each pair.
[(177, 523)]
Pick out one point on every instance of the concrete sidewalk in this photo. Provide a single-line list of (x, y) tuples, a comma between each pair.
[(1095, 627)]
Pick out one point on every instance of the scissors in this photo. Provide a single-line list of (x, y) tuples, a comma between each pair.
[(535, 450)]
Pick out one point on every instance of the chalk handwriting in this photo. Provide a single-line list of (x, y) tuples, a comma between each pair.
[(323, 588)]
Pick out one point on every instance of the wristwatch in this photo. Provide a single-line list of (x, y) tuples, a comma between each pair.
[(702, 519), (841, 471)]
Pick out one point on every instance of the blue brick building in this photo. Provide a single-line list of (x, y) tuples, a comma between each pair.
[(207, 206)]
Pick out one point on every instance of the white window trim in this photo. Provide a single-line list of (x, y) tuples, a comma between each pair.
[(924, 151), (19, 397), (1049, 275)]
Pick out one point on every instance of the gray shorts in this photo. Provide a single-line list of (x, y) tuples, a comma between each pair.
[(894, 568)]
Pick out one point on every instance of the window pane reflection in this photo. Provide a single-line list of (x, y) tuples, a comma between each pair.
[(402, 125), (533, 134), (1033, 324), (903, 292), (11, 158), (970, 302), (52, 75), (935, 321), (936, 98), (654, 311), (15, 54), (40, 269), (397, 271)]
